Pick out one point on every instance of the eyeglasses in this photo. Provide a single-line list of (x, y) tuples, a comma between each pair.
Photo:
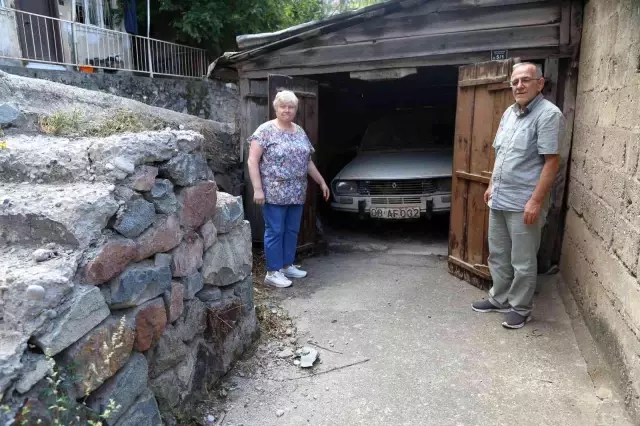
[(524, 80)]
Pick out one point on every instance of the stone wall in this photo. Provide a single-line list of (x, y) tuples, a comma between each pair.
[(602, 234), (36, 98), (125, 268), (210, 99)]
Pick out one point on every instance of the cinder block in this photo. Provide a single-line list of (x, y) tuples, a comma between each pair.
[(608, 184), (600, 217), (631, 201), (632, 155), (575, 196), (607, 106), (626, 241), (614, 145), (628, 116)]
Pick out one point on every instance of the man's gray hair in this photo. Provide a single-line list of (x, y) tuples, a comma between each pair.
[(537, 66), (285, 97)]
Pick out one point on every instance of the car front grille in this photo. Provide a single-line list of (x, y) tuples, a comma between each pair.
[(398, 187), (380, 201)]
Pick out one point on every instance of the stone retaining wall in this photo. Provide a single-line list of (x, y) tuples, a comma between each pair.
[(209, 99), (122, 266)]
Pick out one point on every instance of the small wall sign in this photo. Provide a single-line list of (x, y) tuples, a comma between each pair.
[(499, 55)]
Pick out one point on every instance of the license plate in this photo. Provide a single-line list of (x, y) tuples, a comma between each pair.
[(395, 213)]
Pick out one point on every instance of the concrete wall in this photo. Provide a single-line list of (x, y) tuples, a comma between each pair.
[(210, 99), (602, 234), (9, 42)]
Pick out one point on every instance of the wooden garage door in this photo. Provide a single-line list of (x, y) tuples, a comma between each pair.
[(307, 117), (483, 95)]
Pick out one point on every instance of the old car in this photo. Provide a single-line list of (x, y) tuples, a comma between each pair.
[(402, 169)]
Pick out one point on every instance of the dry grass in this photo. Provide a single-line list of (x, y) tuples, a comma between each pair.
[(73, 123), (274, 321), (61, 123)]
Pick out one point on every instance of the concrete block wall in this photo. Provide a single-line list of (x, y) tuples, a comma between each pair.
[(601, 248)]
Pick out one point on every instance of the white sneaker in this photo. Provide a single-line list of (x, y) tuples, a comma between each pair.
[(293, 272), (277, 279)]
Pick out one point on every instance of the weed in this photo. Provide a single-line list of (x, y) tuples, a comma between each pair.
[(60, 123), (59, 409), (72, 123), (122, 121)]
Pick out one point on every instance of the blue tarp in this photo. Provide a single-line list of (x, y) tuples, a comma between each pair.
[(130, 18)]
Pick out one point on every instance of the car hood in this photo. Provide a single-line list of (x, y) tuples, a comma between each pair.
[(398, 165)]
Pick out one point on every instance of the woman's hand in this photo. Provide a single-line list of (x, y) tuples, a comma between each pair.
[(325, 191), (258, 197)]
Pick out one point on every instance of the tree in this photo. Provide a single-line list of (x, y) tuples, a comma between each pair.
[(333, 7), (214, 24)]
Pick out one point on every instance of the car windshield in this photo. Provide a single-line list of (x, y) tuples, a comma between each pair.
[(429, 128)]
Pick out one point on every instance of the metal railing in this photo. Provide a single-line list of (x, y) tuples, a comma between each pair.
[(27, 36)]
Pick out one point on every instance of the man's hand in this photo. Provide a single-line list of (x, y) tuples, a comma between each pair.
[(531, 212), (258, 197), (487, 195), (325, 191)]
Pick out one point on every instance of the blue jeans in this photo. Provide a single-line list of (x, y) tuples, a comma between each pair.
[(282, 224)]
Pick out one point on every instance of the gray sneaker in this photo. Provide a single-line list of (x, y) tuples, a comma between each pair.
[(487, 306), (514, 320)]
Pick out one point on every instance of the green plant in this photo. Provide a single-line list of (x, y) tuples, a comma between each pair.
[(61, 123), (214, 24), (58, 408)]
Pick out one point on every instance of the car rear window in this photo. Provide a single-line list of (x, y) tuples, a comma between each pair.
[(429, 128)]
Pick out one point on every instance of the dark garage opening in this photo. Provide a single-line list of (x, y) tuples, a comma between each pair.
[(407, 114)]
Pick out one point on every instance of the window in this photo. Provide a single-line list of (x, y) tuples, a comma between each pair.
[(94, 12)]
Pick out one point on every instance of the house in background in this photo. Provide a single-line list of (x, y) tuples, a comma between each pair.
[(88, 35)]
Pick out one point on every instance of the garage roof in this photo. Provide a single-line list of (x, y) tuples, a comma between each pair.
[(409, 33)]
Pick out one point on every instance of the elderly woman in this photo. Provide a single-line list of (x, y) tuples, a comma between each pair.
[(279, 161)]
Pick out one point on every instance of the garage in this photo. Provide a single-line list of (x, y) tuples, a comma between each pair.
[(408, 76)]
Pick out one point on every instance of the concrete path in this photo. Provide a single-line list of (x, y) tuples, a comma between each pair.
[(431, 359)]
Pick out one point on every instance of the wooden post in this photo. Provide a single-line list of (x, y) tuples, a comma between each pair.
[(551, 243)]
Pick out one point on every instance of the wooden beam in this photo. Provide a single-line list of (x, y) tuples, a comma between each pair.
[(550, 91), (499, 86), (469, 267), (477, 5), (414, 25), (484, 81), (418, 61), (472, 176), (565, 24), (552, 233), (411, 47), (576, 26)]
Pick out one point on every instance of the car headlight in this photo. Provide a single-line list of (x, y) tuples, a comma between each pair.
[(345, 187), (444, 185)]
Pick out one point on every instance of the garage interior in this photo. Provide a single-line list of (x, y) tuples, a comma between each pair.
[(423, 101)]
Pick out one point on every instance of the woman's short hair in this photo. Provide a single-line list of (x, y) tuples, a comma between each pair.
[(285, 97)]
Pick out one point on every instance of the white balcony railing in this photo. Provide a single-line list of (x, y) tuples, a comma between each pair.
[(36, 38)]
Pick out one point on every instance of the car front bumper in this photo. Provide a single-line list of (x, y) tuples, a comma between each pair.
[(432, 203)]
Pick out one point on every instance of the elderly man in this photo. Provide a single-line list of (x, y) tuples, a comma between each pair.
[(527, 146)]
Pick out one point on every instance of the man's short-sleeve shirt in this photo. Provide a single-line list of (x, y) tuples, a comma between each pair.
[(523, 139)]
